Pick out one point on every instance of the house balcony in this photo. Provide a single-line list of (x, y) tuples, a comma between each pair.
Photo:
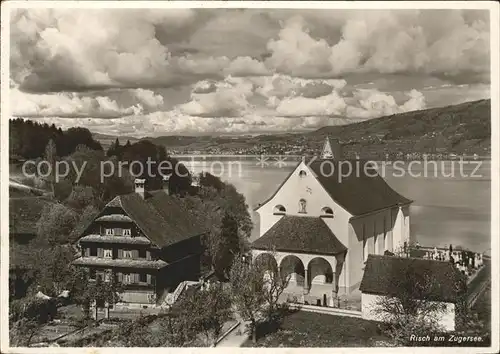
[(120, 263), (94, 238)]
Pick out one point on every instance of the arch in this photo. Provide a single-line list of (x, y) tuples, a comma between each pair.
[(302, 206), (326, 212), (267, 261), (292, 266), (279, 210), (320, 270)]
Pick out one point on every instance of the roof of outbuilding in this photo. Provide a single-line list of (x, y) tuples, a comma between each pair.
[(300, 234), (386, 275)]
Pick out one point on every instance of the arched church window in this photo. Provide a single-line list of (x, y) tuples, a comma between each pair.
[(327, 212), (279, 210), (302, 174), (302, 206)]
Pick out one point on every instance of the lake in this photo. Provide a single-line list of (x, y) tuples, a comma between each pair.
[(449, 206)]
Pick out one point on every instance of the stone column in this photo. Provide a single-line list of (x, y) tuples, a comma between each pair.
[(106, 310), (306, 281), (334, 283), (93, 310)]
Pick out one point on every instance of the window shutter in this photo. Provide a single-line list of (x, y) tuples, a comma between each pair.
[(148, 278), (120, 253), (135, 254), (100, 252), (136, 277), (119, 276)]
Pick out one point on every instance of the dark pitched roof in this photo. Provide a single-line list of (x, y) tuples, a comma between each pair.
[(358, 193), (164, 219), (383, 274), (300, 234)]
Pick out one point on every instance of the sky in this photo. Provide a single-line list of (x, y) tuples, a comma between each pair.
[(153, 72)]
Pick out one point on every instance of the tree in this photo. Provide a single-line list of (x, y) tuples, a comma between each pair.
[(275, 284), (55, 272), (207, 311), (26, 316), (56, 223), (247, 285), (226, 245), (81, 197), (50, 156), (409, 308), (99, 292)]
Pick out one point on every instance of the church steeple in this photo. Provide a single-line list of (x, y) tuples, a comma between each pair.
[(327, 152), (331, 151)]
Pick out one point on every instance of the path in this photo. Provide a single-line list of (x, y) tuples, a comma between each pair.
[(236, 337)]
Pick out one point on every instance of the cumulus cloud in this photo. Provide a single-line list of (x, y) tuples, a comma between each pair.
[(387, 42), (67, 105), (148, 98), (238, 71), (228, 99)]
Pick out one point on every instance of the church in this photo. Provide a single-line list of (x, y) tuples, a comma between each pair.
[(323, 221)]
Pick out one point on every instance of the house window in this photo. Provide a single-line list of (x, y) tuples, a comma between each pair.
[(327, 212), (279, 210), (108, 253), (107, 276), (302, 206), (93, 251), (143, 277), (302, 174), (127, 232), (127, 279), (92, 274), (127, 254), (109, 232), (142, 253)]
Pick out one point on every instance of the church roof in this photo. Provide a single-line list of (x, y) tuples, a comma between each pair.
[(300, 234), (358, 192), (164, 219), (383, 274)]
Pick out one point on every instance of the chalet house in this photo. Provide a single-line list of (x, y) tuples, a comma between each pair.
[(324, 220), (385, 276), (148, 240)]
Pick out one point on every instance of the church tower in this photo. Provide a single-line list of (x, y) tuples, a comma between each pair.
[(331, 150)]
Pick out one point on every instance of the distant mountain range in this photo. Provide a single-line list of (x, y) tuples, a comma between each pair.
[(462, 128)]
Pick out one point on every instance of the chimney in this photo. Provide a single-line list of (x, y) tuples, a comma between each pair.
[(139, 187)]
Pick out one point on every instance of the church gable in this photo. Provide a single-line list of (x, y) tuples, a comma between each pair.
[(302, 195)]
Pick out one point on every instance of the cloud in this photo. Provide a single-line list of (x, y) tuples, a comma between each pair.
[(76, 50), (371, 103), (148, 98), (229, 98), (67, 105), (387, 42)]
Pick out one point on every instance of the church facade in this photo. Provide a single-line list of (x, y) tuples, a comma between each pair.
[(324, 220)]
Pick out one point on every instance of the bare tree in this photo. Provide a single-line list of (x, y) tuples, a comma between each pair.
[(247, 292), (274, 285)]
